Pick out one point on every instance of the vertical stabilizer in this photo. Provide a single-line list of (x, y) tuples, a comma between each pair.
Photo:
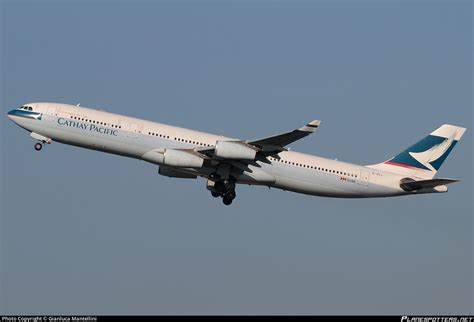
[(424, 158)]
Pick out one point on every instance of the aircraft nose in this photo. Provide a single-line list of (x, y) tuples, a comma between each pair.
[(10, 114)]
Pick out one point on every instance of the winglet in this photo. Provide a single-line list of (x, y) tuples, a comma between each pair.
[(311, 126)]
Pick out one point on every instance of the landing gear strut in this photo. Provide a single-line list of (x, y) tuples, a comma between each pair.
[(38, 146)]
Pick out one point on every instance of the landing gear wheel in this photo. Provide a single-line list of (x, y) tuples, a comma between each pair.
[(215, 194), (226, 201), (230, 195), (38, 146)]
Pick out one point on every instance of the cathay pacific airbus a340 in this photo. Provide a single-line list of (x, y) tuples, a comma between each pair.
[(225, 162)]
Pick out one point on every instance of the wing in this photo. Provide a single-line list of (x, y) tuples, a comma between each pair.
[(277, 142)]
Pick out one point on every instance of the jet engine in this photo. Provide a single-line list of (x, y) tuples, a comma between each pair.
[(234, 150), (178, 158)]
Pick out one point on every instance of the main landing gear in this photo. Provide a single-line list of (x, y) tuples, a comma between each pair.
[(224, 188)]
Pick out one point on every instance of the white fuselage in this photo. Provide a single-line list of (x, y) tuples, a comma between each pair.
[(132, 137)]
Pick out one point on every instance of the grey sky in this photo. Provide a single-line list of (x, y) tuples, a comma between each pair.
[(87, 232)]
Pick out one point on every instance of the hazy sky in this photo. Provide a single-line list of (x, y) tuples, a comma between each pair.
[(88, 232)]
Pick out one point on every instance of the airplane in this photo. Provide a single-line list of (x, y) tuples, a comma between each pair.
[(226, 162)]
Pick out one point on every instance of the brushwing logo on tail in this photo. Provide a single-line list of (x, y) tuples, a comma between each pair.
[(428, 154), (429, 157)]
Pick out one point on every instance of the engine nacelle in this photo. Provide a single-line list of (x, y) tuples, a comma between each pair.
[(177, 158), (172, 173), (234, 150)]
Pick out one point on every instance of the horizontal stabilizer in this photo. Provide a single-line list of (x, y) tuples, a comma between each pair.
[(408, 184)]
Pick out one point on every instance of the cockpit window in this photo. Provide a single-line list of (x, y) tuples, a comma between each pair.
[(26, 108)]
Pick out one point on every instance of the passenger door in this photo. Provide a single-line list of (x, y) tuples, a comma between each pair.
[(364, 177), (133, 130), (52, 112)]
